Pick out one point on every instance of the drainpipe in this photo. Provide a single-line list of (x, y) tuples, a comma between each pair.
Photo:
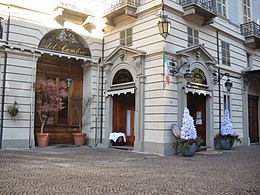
[(31, 104), (102, 89), (3, 100), (219, 94), (97, 103)]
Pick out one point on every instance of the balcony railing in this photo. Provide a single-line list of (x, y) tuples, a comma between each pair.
[(122, 3), (209, 5), (250, 29)]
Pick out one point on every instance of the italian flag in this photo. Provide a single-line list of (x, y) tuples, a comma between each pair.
[(166, 69)]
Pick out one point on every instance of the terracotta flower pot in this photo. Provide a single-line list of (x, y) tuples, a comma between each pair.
[(79, 138), (43, 139)]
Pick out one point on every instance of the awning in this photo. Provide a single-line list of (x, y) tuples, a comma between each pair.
[(198, 91), (52, 53), (121, 91)]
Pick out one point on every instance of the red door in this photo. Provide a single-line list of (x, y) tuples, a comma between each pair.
[(253, 119), (197, 107)]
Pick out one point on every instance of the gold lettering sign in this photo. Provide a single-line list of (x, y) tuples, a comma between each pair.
[(65, 41), (198, 76)]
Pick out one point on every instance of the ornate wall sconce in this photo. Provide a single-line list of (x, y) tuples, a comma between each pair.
[(219, 76), (176, 66)]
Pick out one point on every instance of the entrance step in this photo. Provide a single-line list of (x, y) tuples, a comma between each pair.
[(122, 147)]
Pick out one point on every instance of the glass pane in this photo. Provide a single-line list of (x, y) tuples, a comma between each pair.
[(63, 114), (225, 102), (196, 41), (190, 41), (129, 41), (128, 122), (196, 33), (129, 32), (122, 41), (122, 34), (189, 31)]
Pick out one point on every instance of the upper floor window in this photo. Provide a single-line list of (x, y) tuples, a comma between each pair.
[(221, 8), (246, 11), (249, 59), (1, 28), (193, 37), (225, 53), (126, 37)]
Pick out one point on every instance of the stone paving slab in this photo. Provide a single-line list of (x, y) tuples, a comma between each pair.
[(83, 170)]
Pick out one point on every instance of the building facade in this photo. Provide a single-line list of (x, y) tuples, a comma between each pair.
[(119, 66)]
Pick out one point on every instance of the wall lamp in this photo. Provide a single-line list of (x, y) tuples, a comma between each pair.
[(164, 24), (68, 80), (219, 76), (176, 69)]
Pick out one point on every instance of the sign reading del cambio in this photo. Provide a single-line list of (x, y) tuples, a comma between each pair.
[(65, 41)]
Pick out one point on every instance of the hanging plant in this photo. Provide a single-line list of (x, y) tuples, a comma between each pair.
[(13, 109)]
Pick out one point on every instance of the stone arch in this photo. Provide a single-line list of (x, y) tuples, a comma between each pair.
[(122, 66), (65, 41)]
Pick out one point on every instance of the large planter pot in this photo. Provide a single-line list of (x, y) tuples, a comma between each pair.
[(79, 138), (225, 145), (42, 139), (188, 150)]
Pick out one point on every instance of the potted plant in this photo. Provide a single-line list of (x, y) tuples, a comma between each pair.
[(13, 109), (48, 99), (226, 137), (188, 135), (80, 137)]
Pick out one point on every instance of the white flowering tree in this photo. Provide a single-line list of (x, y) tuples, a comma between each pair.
[(188, 130), (226, 126)]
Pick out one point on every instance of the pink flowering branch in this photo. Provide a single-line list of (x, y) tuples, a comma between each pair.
[(48, 98)]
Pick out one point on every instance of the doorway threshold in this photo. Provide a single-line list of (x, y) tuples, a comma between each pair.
[(122, 147)]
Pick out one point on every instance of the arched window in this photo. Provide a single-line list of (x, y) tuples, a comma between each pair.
[(198, 76), (122, 76), (64, 41)]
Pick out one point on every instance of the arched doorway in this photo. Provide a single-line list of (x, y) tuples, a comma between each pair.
[(124, 105), (62, 124), (63, 53)]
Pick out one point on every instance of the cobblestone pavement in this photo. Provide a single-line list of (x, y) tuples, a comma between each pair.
[(83, 170)]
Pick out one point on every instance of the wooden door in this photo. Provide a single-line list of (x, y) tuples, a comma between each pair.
[(197, 107), (253, 119), (62, 124), (124, 116)]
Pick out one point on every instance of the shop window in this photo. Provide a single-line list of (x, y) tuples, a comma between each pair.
[(193, 37), (126, 37), (225, 49)]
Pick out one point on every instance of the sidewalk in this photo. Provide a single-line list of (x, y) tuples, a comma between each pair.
[(83, 170)]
